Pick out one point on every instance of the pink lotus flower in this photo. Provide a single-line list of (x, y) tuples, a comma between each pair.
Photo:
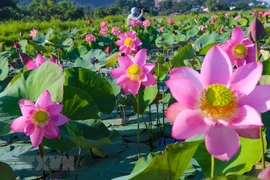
[(170, 21), (103, 24), (219, 103), (240, 49), (39, 119), (236, 18), (89, 38), (161, 29), (31, 64), (33, 33), (134, 72), (133, 23), (116, 30), (254, 14), (260, 14), (103, 31), (139, 23), (227, 15), (202, 28), (265, 174), (146, 23), (128, 42)]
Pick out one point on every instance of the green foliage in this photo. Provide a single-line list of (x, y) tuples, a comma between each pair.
[(6, 172)]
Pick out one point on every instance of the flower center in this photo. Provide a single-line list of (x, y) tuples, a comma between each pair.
[(134, 72), (240, 51), (40, 118), (128, 42), (218, 102)]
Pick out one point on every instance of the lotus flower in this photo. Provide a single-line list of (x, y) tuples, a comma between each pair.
[(90, 21), (227, 15), (134, 72), (103, 31), (39, 119), (254, 14), (139, 23), (170, 21), (240, 49), (202, 28), (128, 42), (236, 18), (89, 38), (219, 103), (146, 23), (265, 174), (161, 29), (30, 64), (133, 23), (260, 14), (33, 33), (103, 24), (116, 30), (213, 18)]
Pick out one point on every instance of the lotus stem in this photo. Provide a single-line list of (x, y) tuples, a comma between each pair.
[(257, 51), (163, 109), (212, 166), (262, 148), (138, 125), (42, 154), (78, 161)]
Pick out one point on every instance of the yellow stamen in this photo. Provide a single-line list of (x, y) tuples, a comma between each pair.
[(134, 72), (218, 102), (40, 118), (128, 42), (240, 51)]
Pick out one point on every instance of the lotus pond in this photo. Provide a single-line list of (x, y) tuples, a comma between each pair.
[(161, 99)]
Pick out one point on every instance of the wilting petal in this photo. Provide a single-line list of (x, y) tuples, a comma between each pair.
[(29, 128), (40, 59), (238, 34), (173, 111), (253, 133), (188, 123), (117, 72), (44, 100), (150, 80), (54, 109), (31, 65), (134, 87), (222, 142), (37, 137), (184, 91), (259, 98), (246, 117), (216, 68), (140, 57), (19, 124), (124, 62), (245, 78), (188, 73), (58, 120), (51, 132)]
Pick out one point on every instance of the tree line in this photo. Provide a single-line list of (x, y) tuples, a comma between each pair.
[(67, 10)]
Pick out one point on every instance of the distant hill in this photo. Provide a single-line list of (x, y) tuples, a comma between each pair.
[(93, 3)]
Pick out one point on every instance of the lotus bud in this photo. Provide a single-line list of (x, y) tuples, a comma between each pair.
[(15, 65), (90, 21), (264, 174), (24, 58), (108, 49), (256, 31), (17, 45)]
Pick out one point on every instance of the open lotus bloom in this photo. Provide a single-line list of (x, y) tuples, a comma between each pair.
[(39, 119), (240, 49), (128, 42), (31, 64), (220, 103), (134, 72)]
